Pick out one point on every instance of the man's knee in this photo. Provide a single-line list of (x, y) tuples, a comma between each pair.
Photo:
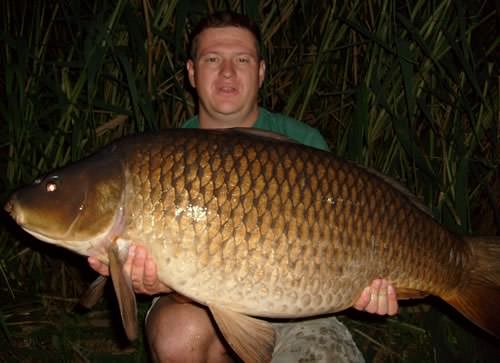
[(179, 332)]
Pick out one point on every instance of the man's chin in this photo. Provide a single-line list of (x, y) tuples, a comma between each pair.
[(228, 109)]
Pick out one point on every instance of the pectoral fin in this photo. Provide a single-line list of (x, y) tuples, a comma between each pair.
[(252, 339), (93, 293), (124, 292)]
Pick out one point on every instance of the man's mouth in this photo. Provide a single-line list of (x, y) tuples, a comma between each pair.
[(227, 90)]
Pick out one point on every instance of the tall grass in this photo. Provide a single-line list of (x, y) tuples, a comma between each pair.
[(408, 88)]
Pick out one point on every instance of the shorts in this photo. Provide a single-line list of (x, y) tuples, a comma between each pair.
[(323, 339)]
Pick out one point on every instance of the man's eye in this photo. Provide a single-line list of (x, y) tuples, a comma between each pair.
[(211, 59), (243, 60)]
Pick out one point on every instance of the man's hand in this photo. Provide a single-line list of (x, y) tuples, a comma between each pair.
[(378, 298), (141, 268)]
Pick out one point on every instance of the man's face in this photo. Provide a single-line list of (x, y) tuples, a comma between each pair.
[(227, 74)]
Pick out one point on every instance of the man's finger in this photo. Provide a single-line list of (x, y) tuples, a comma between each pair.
[(137, 272), (150, 277), (130, 258), (392, 302), (363, 299), (152, 284), (382, 298), (372, 306)]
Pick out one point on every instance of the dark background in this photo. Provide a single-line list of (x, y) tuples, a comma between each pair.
[(409, 88)]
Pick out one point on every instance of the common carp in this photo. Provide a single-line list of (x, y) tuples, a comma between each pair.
[(253, 226)]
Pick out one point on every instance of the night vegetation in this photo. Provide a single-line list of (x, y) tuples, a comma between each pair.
[(410, 88)]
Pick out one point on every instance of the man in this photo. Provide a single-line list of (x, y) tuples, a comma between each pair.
[(226, 70)]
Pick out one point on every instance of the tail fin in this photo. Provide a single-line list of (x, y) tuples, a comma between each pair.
[(479, 299)]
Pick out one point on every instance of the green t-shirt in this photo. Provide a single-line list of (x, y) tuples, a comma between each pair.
[(281, 124)]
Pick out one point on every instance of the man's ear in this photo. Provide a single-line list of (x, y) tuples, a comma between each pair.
[(262, 72), (190, 69)]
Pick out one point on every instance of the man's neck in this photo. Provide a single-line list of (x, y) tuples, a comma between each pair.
[(226, 121)]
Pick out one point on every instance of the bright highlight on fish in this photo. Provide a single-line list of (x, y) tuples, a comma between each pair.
[(254, 226)]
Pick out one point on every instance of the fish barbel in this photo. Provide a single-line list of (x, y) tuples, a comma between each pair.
[(251, 226)]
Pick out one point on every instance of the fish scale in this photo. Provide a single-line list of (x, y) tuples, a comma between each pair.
[(251, 225), (274, 204)]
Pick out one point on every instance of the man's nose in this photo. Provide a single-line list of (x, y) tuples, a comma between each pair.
[(227, 68)]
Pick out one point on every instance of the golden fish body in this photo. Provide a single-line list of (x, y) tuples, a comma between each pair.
[(277, 229), (252, 225)]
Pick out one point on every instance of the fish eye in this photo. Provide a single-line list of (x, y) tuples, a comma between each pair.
[(52, 184)]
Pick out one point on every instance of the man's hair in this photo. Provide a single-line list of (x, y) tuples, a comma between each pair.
[(224, 19)]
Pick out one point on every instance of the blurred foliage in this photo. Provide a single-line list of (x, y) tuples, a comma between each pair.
[(409, 88)]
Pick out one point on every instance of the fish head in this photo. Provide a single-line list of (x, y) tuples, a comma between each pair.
[(76, 207)]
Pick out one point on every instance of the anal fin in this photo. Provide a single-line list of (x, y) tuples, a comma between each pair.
[(124, 292), (252, 339)]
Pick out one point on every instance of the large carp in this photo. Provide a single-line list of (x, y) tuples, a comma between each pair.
[(251, 226)]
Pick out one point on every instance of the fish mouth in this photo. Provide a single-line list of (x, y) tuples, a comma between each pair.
[(10, 207), (93, 246), (15, 213)]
